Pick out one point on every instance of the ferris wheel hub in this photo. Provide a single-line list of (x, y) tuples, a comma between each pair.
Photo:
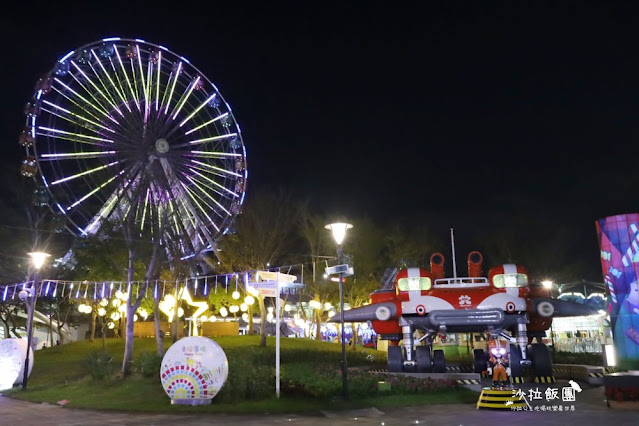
[(162, 146)]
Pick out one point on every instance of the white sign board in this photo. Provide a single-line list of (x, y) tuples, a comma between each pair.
[(266, 288), (275, 276)]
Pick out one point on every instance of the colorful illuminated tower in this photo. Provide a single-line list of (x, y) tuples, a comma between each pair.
[(619, 244)]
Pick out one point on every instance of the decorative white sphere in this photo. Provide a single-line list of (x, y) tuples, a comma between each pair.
[(193, 371)]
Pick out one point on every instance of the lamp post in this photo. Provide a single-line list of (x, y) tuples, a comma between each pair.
[(339, 232), (28, 296)]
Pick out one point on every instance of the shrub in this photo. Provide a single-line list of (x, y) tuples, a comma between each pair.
[(247, 380), (99, 365), (325, 381), (148, 364)]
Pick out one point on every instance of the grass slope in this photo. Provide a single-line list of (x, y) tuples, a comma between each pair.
[(59, 374)]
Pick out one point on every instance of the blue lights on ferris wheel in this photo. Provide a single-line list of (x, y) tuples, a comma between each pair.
[(86, 119)]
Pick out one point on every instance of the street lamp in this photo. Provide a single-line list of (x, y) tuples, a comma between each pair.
[(28, 295), (339, 232)]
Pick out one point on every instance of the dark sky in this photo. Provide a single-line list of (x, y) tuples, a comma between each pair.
[(469, 114)]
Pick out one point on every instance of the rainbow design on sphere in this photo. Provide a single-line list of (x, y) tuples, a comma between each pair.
[(182, 381)]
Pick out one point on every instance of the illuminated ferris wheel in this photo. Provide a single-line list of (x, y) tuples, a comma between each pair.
[(122, 129)]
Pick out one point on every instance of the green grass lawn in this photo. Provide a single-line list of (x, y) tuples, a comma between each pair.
[(310, 379)]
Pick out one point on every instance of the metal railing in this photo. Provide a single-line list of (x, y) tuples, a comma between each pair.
[(461, 282)]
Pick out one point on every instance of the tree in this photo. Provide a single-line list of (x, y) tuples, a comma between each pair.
[(367, 244), (262, 235), (409, 246), (318, 241)]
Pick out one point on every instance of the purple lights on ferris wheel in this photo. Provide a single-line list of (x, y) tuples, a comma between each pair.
[(116, 120)]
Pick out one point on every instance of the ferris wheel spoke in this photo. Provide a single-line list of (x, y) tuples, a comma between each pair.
[(144, 89), (116, 87), (185, 97), (173, 83), (128, 81), (209, 168), (115, 199), (146, 205), (149, 87), (94, 191), (195, 198), (76, 119), (91, 93), (84, 173), (202, 105), (75, 137), (76, 155), (158, 82), (121, 85), (105, 92), (200, 187), (219, 117), (189, 224), (211, 139), (134, 79), (87, 102), (216, 184), (75, 103)]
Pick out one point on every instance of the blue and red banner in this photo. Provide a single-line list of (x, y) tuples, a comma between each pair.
[(619, 245)]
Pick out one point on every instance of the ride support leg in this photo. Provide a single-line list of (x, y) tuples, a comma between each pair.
[(407, 331), (522, 337)]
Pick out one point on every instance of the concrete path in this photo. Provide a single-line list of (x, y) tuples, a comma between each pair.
[(589, 409)]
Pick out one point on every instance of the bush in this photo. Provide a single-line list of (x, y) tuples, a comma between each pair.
[(99, 365), (148, 364), (325, 381), (247, 380)]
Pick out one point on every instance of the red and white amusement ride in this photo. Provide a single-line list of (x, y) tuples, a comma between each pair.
[(502, 304)]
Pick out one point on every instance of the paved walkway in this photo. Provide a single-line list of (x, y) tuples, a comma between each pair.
[(590, 409)]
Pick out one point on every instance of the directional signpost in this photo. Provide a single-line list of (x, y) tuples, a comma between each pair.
[(269, 284)]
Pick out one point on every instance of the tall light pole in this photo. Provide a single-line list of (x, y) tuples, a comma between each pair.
[(29, 295), (339, 232)]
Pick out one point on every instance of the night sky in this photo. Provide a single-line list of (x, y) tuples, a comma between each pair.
[(472, 115)]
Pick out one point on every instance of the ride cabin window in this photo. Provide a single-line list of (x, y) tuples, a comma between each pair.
[(412, 284), (510, 280)]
